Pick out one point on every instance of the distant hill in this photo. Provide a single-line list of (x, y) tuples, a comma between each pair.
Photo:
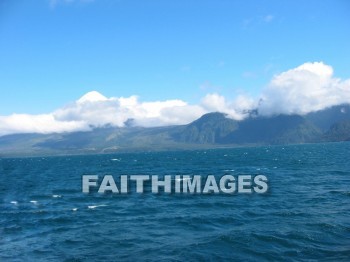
[(324, 119), (281, 129), (217, 128), (209, 131), (340, 131)]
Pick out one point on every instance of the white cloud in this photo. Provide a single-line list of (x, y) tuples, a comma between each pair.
[(45, 123), (309, 87), (98, 110), (235, 109), (95, 110)]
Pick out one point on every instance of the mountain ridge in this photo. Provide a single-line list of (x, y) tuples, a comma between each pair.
[(211, 130)]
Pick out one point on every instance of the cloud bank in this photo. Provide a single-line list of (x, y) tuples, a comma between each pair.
[(309, 87)]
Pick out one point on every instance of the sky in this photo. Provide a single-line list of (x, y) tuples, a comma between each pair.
[(167, 62)]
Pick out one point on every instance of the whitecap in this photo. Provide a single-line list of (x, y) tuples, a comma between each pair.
[(56, 196), (14, 202), (74, 209), (93, 207), (33, 202), (115, 159)]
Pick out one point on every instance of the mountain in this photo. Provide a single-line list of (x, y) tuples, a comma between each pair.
[(324, 119), (209, 131), (340, 131), (217, 128), (281, 129)]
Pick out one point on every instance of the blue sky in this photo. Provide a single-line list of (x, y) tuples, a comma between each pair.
[(53, 52)]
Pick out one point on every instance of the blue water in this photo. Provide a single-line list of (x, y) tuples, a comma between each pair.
[(304, 216)]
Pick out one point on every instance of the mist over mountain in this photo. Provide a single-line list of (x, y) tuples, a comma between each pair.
[(209, 131), (306, 104), (310, 87)]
